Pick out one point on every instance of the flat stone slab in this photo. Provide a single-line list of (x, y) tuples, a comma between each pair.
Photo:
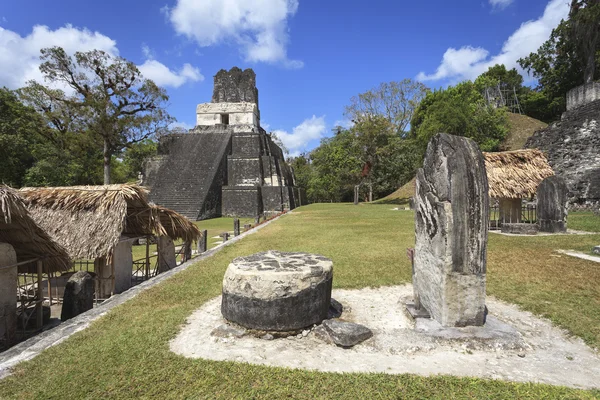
[(415, 312), (500, 334), (549, 355), (226, 331), (346, 334), (277, 291)]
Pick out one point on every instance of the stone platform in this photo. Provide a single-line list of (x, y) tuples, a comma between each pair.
[(277, 291)]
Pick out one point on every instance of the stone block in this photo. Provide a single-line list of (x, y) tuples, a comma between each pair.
[(552, 204), (235, 86), (582, 95), (244, 172), (79, 295), (166, 254), (277, 291), (596, 250), (451, 224), (520, 228), (346, 334)]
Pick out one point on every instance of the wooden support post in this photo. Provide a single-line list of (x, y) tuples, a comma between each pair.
[(356, 188), (147, 269), (49, 290), (40, 297)]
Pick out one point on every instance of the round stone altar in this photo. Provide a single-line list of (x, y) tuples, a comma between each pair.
[(277, 291)]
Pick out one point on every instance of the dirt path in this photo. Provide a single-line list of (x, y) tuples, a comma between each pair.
[(541, 352)]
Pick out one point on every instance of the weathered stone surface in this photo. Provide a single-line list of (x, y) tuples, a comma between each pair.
[(79, 295), (228, 331), (335, 309), (582, 95), (520, 228), (552, 204), (572, 147), (8, 295), (277, 291), (596, 250), (451, 232), (346, 334), (235, 86)]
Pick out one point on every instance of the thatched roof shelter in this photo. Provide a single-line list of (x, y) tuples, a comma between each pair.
[(18, 229), (90, 220), (516, 174)]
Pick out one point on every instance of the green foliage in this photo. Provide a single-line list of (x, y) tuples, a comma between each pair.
[(498, 75), (568, 58), (20, 132), (459, 110)]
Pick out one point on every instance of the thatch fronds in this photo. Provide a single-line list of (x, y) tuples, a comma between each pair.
[(18, 229), (516, 174), (90, 220)]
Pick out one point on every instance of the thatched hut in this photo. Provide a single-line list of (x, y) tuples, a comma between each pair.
[(24, 248), (513, 176), (100, 223)]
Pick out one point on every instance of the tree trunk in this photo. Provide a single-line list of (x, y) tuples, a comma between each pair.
[(107, 157)]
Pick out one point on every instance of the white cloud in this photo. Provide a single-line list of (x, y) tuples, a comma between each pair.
[(310, 129), (501, 4), (469, 62), (182, 125), (20, 55), (163, 76), (259, 27)]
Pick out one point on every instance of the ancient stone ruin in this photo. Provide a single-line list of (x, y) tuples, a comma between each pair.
[(227, 165), (79, 295), (572, 145), (552, 205), (276, 291), (449, 270)]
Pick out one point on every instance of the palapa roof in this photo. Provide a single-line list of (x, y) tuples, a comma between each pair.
[(29, 240), (90, 220), (516, 174)]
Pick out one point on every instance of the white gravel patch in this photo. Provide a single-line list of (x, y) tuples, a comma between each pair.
[(545, 354)]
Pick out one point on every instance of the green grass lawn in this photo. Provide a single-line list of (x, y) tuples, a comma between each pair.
[(125, 354)]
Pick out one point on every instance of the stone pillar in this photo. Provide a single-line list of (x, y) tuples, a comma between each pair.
[(123, 265), (202, 241), (79, 295), (225, 236), (552, 205), (8, 294), (451, 226), (187, 251), (105, 278), (236, 227), (509, 210), (166, 254)]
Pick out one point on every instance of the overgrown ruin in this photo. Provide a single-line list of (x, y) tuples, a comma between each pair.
[(227, 165)]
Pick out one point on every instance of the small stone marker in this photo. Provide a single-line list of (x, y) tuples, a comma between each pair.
[(228, 331), (236, 227), (225, 236), (202, 242), (596, 250), (552, 204), (247, 227), (79, 295), (257, 220), (346, 334), (276, 291), (451, 226)]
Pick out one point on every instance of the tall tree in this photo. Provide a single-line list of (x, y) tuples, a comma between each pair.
[(569, 57), (108, 97), (21, 128), (395, 101)]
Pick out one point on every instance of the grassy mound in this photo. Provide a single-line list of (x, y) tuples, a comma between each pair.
[(401, 195), (521, 128)]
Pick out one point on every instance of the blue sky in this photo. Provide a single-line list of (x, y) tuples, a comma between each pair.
[(310, 56)]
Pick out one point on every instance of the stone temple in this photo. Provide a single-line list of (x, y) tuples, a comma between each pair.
[(227, 165)]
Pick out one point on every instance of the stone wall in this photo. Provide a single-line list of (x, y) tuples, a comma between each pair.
[(582, 95), (572, 147)]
